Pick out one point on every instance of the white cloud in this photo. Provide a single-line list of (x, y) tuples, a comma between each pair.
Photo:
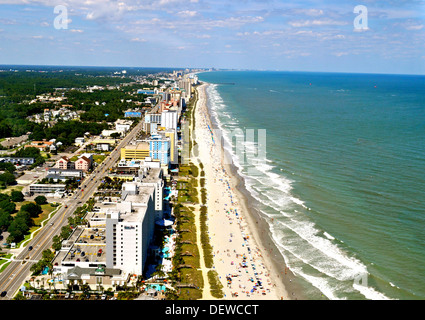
[(187, 13), (307, 12), (323, 22), (340, 54), (231, 22), (138, 40), (8, 21), (416, 27)]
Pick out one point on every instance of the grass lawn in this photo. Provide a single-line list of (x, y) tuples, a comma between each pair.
[(47, 209), (9, 189), (98, 158)]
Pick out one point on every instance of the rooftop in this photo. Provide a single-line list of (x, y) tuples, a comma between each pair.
[(87, 247), (150, 175), (77, 272), (139, 146)]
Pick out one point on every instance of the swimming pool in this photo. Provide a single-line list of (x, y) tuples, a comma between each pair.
[(157, 287)]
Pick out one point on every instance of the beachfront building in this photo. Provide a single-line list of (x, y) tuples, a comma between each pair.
[(169, 119), (186, 86), (172, 135), (129, 231), (159, 148), (151, 122), (147, 177)]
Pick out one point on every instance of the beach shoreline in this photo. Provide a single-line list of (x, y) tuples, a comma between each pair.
[(253, 227)]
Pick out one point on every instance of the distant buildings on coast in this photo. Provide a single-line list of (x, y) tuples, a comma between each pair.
[(115, 244)]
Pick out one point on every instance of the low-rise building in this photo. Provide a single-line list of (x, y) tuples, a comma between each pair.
[(123, 125), (79, 141), (46, 188), (42, 145), (18, 161), (66, 173), (133, 114), (83, 163), (104, 144), (63, 163), (95, 277)]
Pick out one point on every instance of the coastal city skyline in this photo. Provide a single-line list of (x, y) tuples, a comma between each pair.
[(255, 35), (235, 151)]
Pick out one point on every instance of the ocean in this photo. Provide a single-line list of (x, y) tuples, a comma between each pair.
[(342, 182)]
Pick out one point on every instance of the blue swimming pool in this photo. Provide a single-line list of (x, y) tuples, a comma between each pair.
[(157, 287)]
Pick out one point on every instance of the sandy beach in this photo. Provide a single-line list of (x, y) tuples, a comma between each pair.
[(247, 268)]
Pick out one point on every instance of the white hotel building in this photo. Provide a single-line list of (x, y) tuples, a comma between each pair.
[(129, 230)]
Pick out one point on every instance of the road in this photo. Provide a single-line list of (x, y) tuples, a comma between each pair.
[(12, 278)]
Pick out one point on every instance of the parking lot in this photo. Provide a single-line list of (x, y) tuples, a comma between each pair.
[(89, 247)]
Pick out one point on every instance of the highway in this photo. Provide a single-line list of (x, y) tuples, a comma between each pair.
[(12, 278)]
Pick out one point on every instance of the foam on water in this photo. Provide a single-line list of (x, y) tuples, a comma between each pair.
[(293, 231), (370, 293), (327, 235)]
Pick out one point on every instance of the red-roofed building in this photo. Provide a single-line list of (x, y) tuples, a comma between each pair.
[(83, 163), (63, 163)]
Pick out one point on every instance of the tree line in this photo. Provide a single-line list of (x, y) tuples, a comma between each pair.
[(18, 223)]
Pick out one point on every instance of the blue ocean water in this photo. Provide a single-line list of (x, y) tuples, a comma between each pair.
[(343, 181)]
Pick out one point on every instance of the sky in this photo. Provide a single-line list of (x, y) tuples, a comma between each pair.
[(385, 36)]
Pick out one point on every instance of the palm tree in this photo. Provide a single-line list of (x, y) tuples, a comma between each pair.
[(50, 270)]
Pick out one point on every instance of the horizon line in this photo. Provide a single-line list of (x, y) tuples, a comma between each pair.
[(215, 69)]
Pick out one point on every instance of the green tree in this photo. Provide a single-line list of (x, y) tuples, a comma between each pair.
[(16, 196), (19, 227), (7, 166), (7, 206), (40, 200), (8, 178), (57, 243), (5, 220), (33, 209)]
